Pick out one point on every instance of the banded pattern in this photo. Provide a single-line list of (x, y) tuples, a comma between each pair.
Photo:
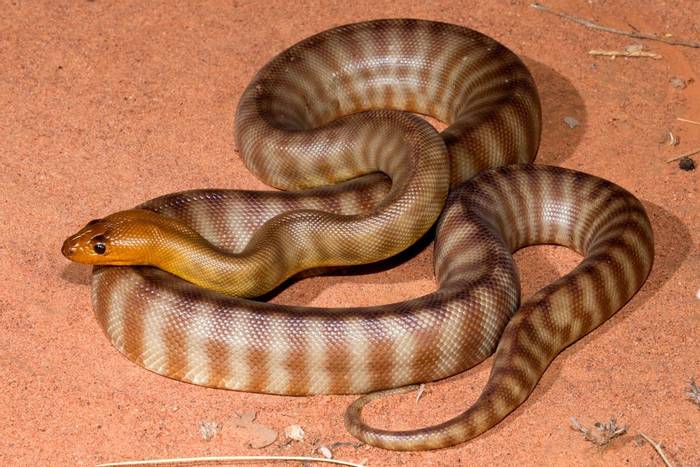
[(522, 206), (288, 121), (311, 117), (295, 350)]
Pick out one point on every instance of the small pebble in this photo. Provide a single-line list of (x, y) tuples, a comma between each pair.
[(686, 164), (571, 121), (325, 452), (294, 432), (697, 294), (678, 83)]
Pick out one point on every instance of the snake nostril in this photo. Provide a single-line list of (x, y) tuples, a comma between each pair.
[(68, 249)]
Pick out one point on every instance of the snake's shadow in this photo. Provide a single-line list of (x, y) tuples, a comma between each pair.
[(673, 243), (559, 98), (75, 273)]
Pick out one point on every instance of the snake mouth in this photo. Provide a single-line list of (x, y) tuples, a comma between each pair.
[(79, 247), (69, 248)]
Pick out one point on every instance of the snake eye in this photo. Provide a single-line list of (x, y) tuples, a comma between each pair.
[(99, 245)]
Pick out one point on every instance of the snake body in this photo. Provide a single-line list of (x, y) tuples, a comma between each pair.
[(315, 115)]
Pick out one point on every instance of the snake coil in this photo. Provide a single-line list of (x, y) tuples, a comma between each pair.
[(332, 110)]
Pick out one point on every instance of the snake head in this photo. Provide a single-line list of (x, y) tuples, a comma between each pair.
[(123, 238)]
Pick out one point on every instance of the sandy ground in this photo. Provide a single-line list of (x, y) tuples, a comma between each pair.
[(106, 104)]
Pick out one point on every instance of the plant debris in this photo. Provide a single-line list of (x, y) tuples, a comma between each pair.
[(625, 53), (229, 459), (684, 155), (667, 38), (339, 444), (602, 433), (571, 122), (668, 137), (294, 432), (421, 390), (673, 140), (209, 429), (657, 447), (694, 392), (678, 83), (257, 434)]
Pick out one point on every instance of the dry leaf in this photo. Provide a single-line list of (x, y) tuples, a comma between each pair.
[(244, 419), (258, 435), (261, 436), (209, 429), (603, 432), (678, 83)]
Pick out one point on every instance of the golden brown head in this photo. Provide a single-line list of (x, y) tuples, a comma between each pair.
[(124, 238)]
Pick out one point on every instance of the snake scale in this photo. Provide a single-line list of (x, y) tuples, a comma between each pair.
[(331, 119)]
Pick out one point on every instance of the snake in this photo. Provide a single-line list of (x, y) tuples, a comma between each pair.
[(335, 123)]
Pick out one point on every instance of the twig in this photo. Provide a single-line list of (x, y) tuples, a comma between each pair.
[(658, 448), (191, 460), (694, 392), (687, 154), (420, 391), (672, 139), (687, 121), (340, 444), (600, 27), (603, 433), (625, 53)]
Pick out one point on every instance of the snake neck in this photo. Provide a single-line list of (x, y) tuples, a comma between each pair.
[(192, 258)]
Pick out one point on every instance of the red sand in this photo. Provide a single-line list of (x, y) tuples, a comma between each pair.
[(108, 104)]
